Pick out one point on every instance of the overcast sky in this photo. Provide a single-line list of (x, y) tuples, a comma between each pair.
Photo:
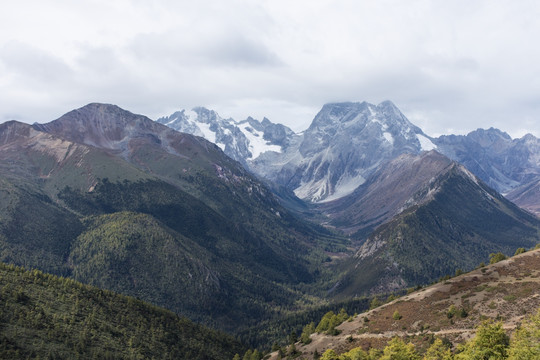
[(450, 66)]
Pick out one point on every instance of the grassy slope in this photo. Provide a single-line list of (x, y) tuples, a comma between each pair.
[(46, 316), (506, 291)]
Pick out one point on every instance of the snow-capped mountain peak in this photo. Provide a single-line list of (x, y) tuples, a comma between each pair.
[(243, 140), (346, 143), (343, 146)]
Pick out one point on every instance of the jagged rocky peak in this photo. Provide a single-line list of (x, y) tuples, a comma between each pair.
[(489, 136), (493, 139), (345, 144), (243, 140), (208, 116), (273, 134), (492, 155), (531, 145), (530, 138), (357, 122), (201, 122), (386, 113)]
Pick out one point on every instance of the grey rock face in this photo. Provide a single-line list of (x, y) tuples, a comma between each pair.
[(348, 142), (492, 155), (344, 145), (243, 141)]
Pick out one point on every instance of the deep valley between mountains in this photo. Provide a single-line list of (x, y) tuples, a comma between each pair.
[(243, 232)]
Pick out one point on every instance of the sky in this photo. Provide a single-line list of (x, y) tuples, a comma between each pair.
[(450, 66)]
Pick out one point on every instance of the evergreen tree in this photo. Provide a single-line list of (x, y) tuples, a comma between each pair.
[(496, 257), (256, 355), (397, 349), (375, 303), (247, 355), (355, 354), (329, 355), (292, 350), (490, 342), (525, 344), (306, 332), (293, 337), (438, 351), (325, 322)]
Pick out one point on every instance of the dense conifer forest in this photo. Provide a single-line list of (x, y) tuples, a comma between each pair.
[(47, 317)]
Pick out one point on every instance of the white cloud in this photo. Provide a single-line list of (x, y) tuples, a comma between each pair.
[(450, 66)]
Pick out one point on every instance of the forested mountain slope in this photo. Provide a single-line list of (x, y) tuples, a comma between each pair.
[(44, 316), (452, 221), (118, 200)]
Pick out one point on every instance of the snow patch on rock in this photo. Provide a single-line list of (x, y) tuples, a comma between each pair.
[(425, 143), (257, 144)]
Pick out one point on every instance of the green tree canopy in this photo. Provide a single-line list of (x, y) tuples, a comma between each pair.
[(496, 257), (438, 351), (525, 344), (489, 343), (397, 349)]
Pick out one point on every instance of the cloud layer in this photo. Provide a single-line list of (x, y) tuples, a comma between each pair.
[(450, 66)]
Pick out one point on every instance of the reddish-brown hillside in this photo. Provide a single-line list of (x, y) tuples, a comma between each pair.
[(507, 291)]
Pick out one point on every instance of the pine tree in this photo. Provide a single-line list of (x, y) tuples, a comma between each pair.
[(496, 257), (329, 355), (306, 332), (438, 351), (525, 344), (398, 350), (490, 342), (375, 303)]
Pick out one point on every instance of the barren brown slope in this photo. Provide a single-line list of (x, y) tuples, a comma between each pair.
[(527, 197), (395, 187), (507, 291)]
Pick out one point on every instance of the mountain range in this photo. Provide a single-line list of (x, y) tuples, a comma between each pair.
[(344, 145), (448, 221), (347, 142), (119, 201), (236, 224), (417, 207)]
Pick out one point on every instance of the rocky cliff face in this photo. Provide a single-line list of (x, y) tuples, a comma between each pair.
[(243, 141), (492, 155), (348, 142), (345, 145)]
